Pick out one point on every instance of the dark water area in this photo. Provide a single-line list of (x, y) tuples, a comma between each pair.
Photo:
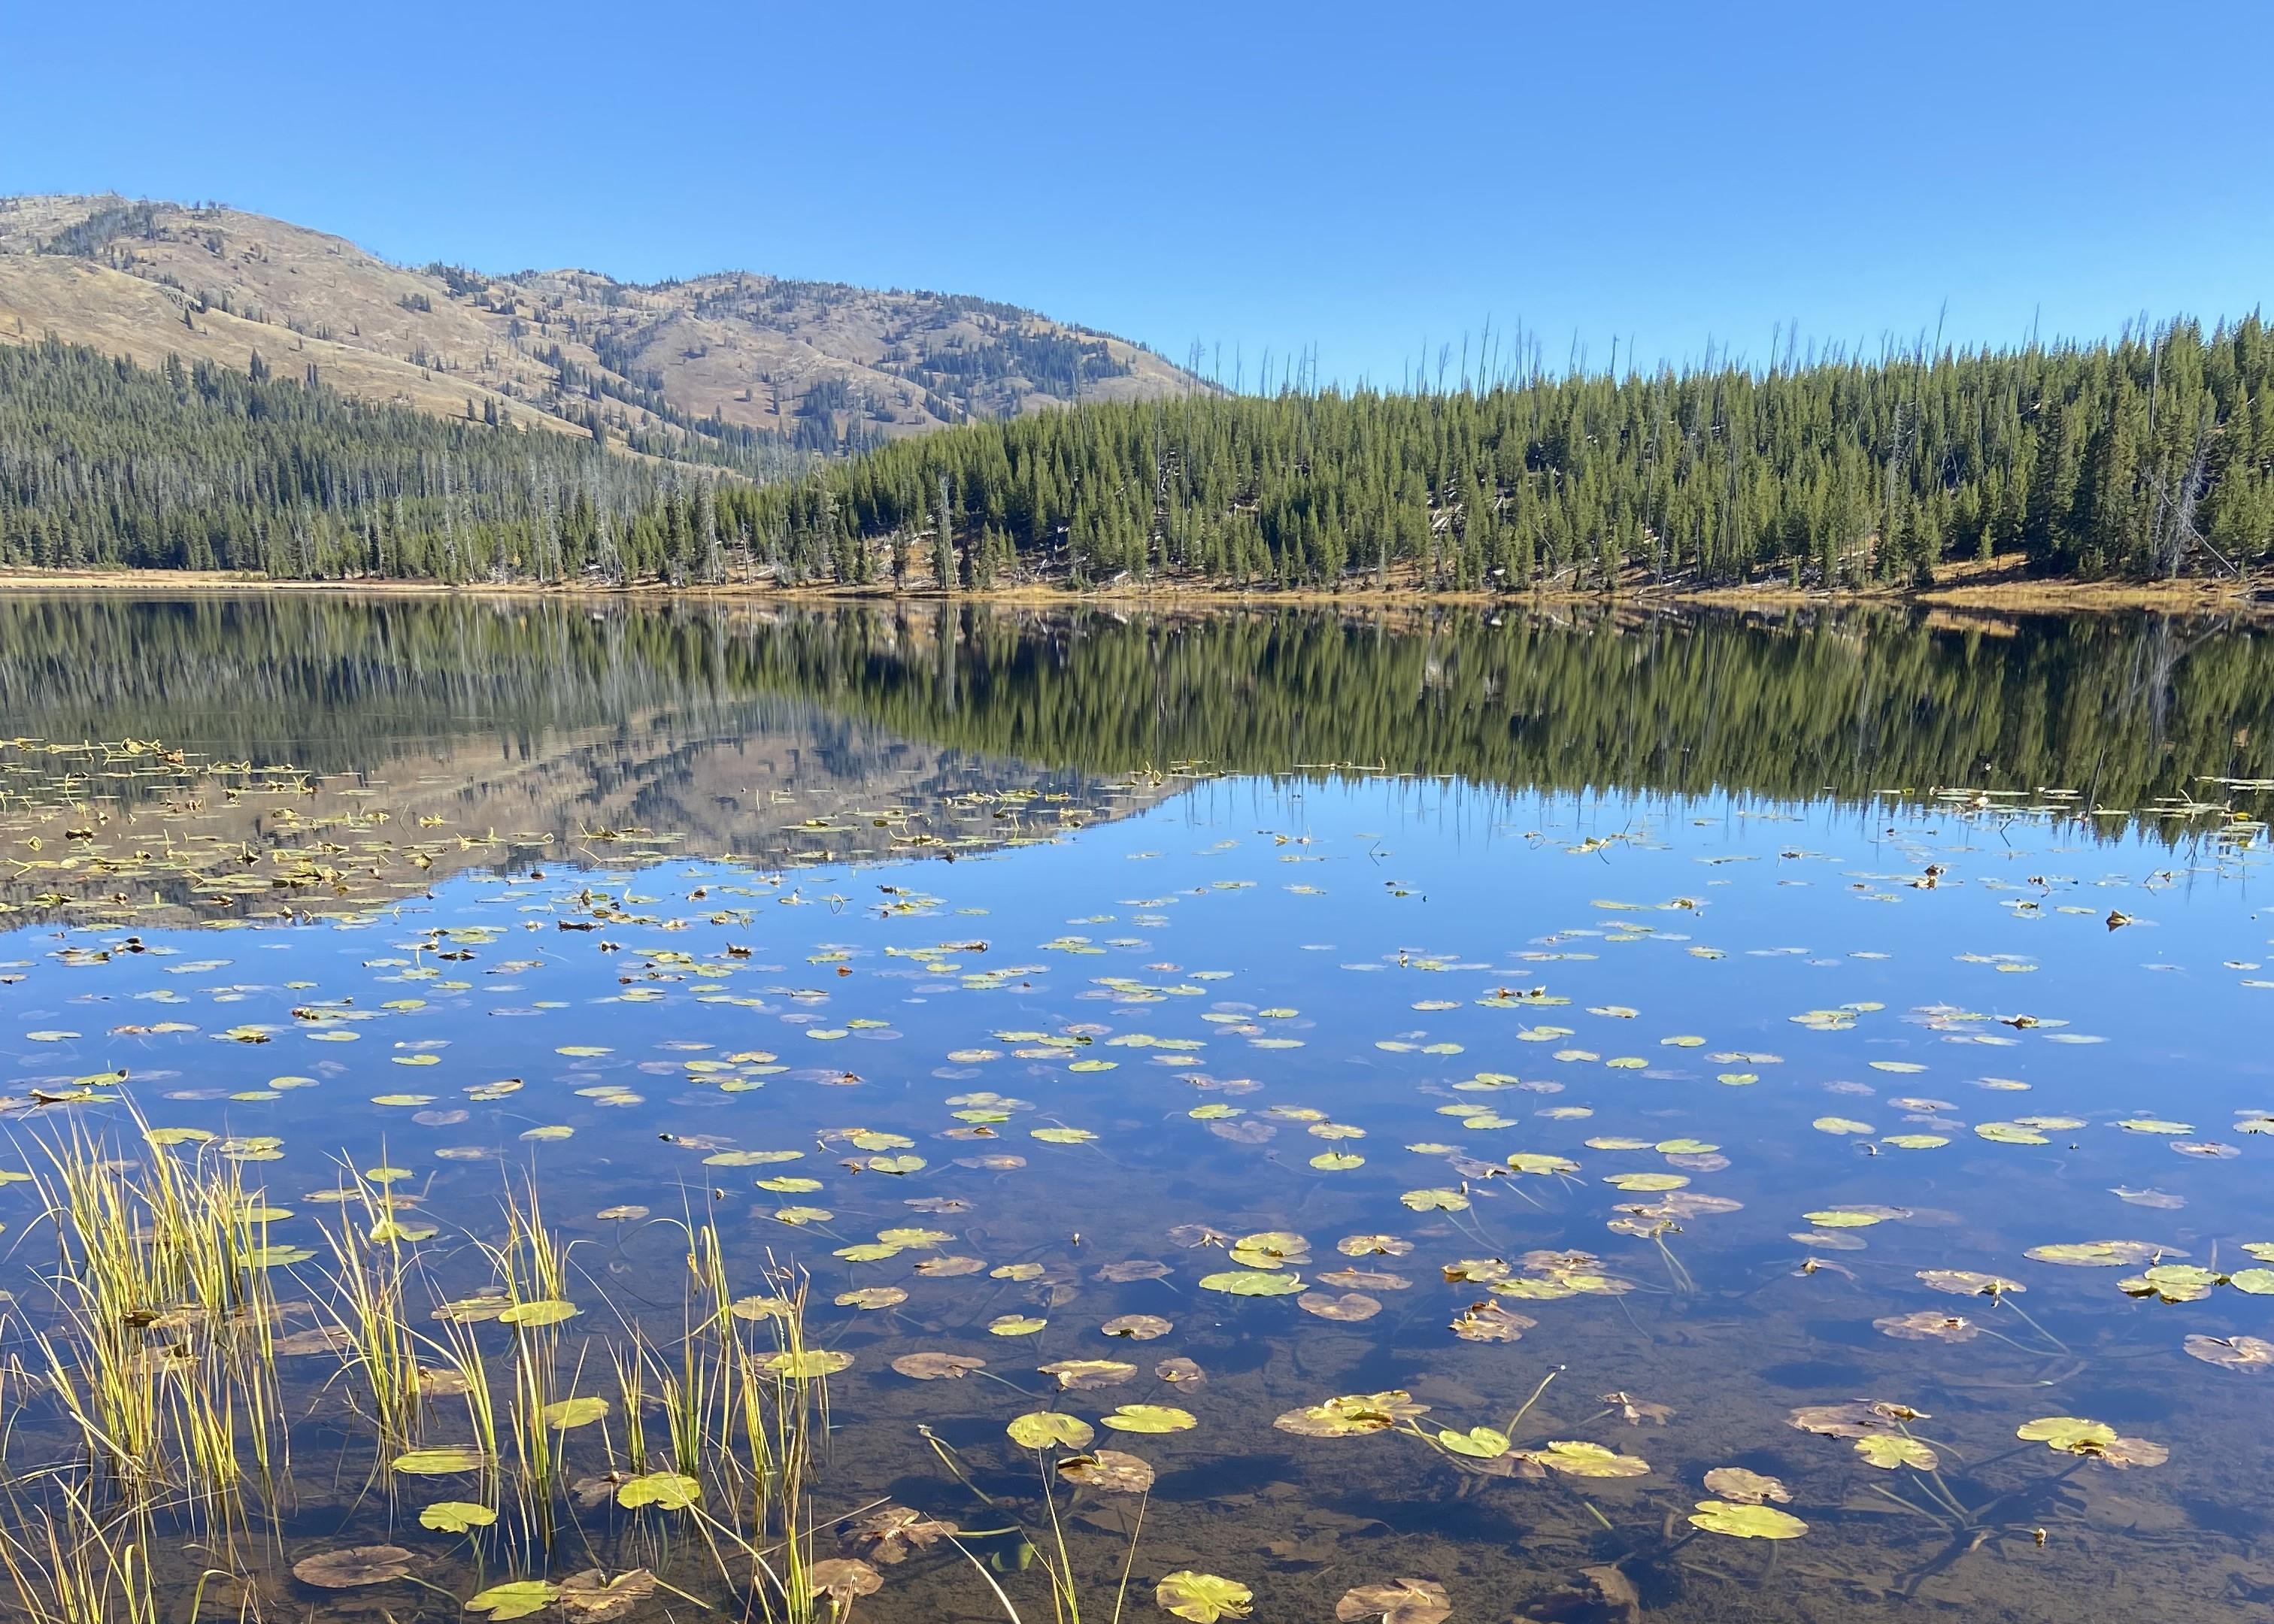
[(1590, 1048)]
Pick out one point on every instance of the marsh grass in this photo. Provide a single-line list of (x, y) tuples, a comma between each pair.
[(369, 1311), (159, 1358), (748, 1409), (96, 1574), (162, 1352)]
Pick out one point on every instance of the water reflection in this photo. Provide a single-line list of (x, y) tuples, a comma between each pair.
[(1611, 1027), (2122, 711)]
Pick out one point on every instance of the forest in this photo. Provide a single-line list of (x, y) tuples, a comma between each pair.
[(2150, 456), (106, 464)]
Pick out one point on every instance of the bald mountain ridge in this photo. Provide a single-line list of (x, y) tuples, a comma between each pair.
[(756, 372)]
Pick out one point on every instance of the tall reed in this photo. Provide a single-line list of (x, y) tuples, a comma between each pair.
[(161, 1355)]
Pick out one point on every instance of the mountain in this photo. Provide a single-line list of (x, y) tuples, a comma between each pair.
[(752, 372)]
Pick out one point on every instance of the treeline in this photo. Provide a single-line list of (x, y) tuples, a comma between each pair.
[(2150, 456), (196, 466)]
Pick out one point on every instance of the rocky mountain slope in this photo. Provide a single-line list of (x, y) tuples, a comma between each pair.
[(750, 370)]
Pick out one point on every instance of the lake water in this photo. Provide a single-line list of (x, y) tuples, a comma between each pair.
[(1712, 1015)]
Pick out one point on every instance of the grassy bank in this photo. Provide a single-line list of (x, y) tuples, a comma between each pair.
[(2000, 585)]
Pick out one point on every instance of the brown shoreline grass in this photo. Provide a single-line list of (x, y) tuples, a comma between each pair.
[(1998, 586)]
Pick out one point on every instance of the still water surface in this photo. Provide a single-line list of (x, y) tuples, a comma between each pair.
[(1713, 1015)]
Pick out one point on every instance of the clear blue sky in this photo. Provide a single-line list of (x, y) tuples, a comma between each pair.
[(1362, 178)]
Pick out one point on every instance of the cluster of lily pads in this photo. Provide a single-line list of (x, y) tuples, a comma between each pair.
[(1526, 1137)]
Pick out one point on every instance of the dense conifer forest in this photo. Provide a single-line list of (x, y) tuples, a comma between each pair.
[(2150, 456), (205, 467)]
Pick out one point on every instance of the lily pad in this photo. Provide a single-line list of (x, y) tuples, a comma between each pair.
[(667, 1490), (1149, 1419), (2252, 1355), (2172, 1282), (516, 1598), (354, 1567), (1436, 1200), (842, 1578), (1044, 1429), (1110, 1469), (1252, 1283), (1352, 1415), (1136, 1327), (1929, 1325), (1489, 1322), (1063, 1135), (593, 1597), (1889, 1450), (1968, 1282), (1483, 1443), (890, 1534), (1079, 1375), (455, 1516), (1350, 1306), (1745, 1487), (806, 1364), (442, 1462), (2094, 1439), (2101, 1254), (1580, 1459), (937, 1366), (2009, 1133), (1201, 1598), (1400, 1601), (563, 1414), (1746, 1522), (872, 1297)]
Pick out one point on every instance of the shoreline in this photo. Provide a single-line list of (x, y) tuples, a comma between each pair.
[(1964, 587)]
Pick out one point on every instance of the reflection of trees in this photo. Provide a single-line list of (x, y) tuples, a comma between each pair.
[(1846, 706), (2125, 708)]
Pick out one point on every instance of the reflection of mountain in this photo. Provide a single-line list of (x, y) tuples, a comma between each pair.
[(335, 759), (730, 727), (786, 788)]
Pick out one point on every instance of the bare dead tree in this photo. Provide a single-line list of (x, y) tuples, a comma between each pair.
[(2173, 529)]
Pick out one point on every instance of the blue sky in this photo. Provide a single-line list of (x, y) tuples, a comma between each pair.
[(1366, 179)]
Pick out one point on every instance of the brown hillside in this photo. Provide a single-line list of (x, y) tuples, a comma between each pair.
[(749, 370)]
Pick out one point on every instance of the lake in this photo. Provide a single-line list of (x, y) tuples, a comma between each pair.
[(938, 1108)]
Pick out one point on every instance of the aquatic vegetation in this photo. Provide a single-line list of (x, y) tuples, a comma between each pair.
[(1043, 1428), (1397, 1601), (937, 1366), (1203, 1598), (2249, 1354), (1889, 1450), (353, 1566), (1745, 1487), (1352, 1416), (1746, 1519), (2093, 1439), (622, 1312)]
